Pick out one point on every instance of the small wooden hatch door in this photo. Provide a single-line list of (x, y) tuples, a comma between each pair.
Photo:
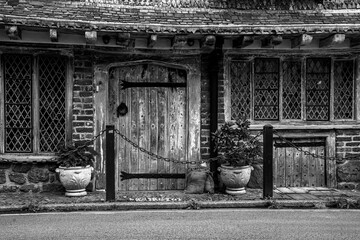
[(147, 103), (294, 168)]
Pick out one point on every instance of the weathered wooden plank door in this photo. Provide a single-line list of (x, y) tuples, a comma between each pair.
[(294, 168), (156, 121)]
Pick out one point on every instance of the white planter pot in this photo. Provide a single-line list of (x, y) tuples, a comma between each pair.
[(75, 180), (235, 179)]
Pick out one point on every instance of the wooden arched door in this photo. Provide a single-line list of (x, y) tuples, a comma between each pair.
[(147, 103)]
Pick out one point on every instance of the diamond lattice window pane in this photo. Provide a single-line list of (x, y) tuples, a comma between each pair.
[(17, 103), (52, 85), (18, 140), (266, 89), (344, 89), (317, 89), (291, 89), (240, 74)]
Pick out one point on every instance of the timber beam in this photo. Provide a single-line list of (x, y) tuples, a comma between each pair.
[(124, 40), (332, 41), (243, 41), (179, 41), (53, 35), (13, 32), (152, 40), (271, 41), (355, 42), (106, 39), (302, 40), (90, 37), (208, 43)]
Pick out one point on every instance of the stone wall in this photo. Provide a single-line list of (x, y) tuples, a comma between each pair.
[(29, 177)]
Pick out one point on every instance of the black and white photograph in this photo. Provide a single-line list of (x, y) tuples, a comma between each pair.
[(180, 119)]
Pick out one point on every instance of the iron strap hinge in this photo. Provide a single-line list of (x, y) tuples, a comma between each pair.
[(126, 84), (125, 175)]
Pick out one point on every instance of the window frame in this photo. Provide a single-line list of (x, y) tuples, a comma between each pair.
[(35, 104), (302, 59)]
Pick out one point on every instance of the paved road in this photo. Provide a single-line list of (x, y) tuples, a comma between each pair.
[(185, 224)]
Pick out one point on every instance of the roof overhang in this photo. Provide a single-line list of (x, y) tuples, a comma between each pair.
[(220, 29)]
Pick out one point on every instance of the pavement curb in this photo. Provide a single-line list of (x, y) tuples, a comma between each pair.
[(124, 206)]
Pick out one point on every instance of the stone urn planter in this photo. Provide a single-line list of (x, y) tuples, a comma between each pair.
[(237, 151), (75, 168), (235, 179), (75, 179)]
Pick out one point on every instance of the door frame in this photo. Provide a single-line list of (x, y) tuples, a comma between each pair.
[(101, 107)]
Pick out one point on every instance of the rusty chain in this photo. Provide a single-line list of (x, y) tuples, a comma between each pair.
[(87, 143), (156, 156), (308, 153), (135, 145), (153, 155)]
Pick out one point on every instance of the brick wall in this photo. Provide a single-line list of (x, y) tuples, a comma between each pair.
[(348, 149), (207, 71), (221, 95), (83, 108), (205, 108)]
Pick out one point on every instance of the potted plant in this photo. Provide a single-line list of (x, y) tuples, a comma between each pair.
[(237, 151), (75, 168)]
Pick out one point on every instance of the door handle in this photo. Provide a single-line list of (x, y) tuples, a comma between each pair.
[(121, 110)]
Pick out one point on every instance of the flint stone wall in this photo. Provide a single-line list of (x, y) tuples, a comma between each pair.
[(26, 177)]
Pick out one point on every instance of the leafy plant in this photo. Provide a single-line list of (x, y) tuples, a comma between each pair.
[(71, 155), (235, 144)]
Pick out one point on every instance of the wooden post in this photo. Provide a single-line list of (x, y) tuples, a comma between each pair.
[(268, 162), (110, 163)]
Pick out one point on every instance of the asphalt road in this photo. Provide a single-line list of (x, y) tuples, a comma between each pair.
[(185, 224)]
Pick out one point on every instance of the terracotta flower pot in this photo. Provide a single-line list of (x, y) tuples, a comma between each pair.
[(75, 180), (235, 178)]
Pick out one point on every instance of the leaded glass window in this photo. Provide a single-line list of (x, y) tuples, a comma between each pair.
[(18, 103), (266, 89), (52, 82), (343, 89), (240, 74), (34, 125), (291, 89), (318, 89)]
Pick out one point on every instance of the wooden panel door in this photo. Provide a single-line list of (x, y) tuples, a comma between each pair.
[(294, 168), (156, 121)]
